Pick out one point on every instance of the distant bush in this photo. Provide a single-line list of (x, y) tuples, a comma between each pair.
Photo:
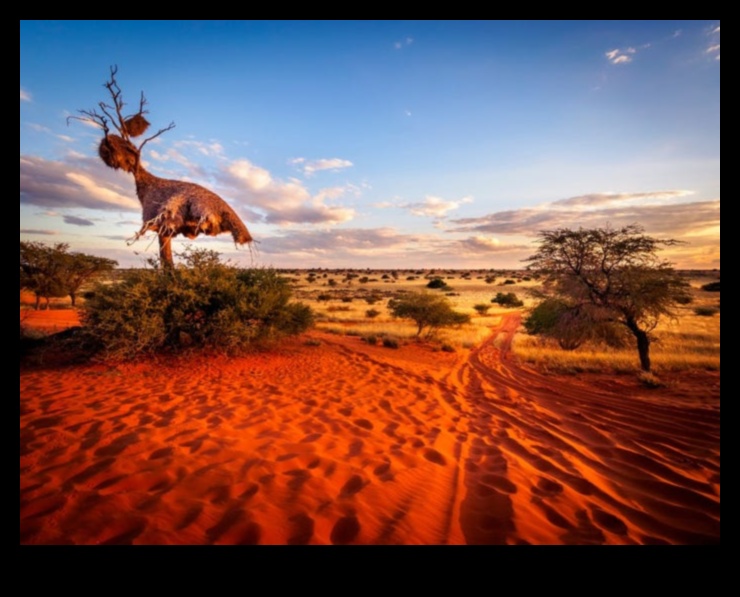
[(711, 286), (371, 339), (509, 281), (346, 299), (447, 348), (323, 297), (482, 308), (390, 342), (372, 313), (508, 299), (436, 283), (202, 303), (490, 279), (706, 311)]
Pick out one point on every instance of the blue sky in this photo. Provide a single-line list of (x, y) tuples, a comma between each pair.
[(382, 144)]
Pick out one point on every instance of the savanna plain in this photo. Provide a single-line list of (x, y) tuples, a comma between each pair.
[(360, 432)]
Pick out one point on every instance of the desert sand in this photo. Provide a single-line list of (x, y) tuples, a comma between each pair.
[(347, 443)]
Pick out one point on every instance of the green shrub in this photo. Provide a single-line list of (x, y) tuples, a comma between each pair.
[(482, 308), (372, 313), (323, 297), (390, 342), (705, 311), (427, 310), (371, 339), (436, 283), (711, 287), (447, 348), (201, 303), (508, 299), (509, 281)]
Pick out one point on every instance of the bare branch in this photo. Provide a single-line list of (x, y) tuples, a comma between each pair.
[(93, 117), (157, 134)]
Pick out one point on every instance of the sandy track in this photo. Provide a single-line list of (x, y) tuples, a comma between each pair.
[(350, 443)]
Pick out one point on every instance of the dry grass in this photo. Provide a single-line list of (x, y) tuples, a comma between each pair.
[(691, 341)]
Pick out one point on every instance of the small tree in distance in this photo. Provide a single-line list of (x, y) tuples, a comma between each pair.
[(427, 311), (611, 277)]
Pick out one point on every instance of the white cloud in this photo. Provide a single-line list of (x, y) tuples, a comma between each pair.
[(25, 96), (407, 41), (284, 202), (658, 212), (434, 206), (712, 48), (310, 167), (716, 29), (618, 56), (75, 182), (66, 138)]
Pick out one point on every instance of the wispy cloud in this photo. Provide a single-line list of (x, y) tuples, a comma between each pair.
[(407, 41), (310, 167), (435, 207), (211, 148), (35, 231), (599, 199), (39, 128), (25, 96), (77, 221), (713, 47), (620, 56)]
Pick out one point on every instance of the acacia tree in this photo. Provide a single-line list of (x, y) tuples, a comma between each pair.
[(52, 271), (611, 277), (41, 270), (426, 310), (80, 268)]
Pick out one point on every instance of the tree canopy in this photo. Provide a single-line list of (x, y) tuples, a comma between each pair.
[(427, 311), (52, 271), (607, 276)]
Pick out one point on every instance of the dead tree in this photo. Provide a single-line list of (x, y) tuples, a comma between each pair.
[(169, 207)]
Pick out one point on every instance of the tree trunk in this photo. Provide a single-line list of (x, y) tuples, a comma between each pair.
[(73, 298), (165, 250), (38, 301), (643, 345)]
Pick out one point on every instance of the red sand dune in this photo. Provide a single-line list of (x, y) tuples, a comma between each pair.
[(350, 443)]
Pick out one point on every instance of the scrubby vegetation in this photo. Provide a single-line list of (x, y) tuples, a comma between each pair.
[(201, 303), (507, 299)]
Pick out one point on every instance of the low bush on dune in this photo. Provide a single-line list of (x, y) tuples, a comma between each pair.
[(201, 303)]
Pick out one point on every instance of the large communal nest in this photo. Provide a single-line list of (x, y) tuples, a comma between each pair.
[(117, 153), (135, 125), (191, 210)]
